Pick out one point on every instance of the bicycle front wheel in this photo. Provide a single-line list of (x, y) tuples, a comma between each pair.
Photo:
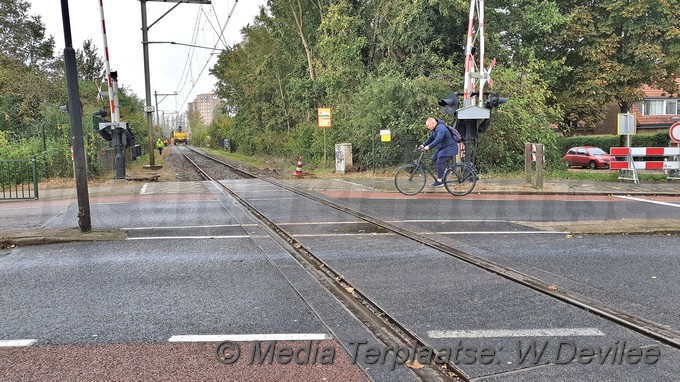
[(410, 179), (460, 180)]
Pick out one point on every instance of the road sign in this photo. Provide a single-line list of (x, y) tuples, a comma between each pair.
[(626, 124), (385, 136), (674, 132), (324, 117)]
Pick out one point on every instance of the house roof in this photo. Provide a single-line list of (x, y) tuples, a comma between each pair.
[(651, 120), (658, 93), (654, 120)]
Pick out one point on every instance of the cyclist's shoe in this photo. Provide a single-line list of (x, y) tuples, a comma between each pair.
[(437, 184)]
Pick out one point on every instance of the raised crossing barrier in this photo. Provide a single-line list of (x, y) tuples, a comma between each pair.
[(632, 166)]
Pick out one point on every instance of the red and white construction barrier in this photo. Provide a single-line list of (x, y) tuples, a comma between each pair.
[(645, 151), (630, 152), (651, 165)]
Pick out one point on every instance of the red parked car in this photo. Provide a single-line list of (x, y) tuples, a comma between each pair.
[(588, 156)]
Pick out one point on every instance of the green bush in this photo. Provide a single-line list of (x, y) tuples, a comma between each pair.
[(606, 142), (525, 118), (394, 103)]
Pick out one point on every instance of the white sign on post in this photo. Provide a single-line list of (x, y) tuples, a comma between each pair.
[(626, 124), (674, 132)]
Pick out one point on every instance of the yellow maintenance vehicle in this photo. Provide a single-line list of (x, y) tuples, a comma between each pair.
[(179, 136)]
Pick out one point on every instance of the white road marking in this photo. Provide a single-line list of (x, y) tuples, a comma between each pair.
[(450, 221), (190, 226), (269, 199), (435, 233), (155, 202), (251, 337), (322, 223), (649, 201), (348, 234), (494, 232), (399, 221), (500, 333), (189, 237), (16, 343), (143, 190), (362, 186), (249, 191)]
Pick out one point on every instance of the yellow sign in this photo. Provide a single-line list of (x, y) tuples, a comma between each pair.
[(324, 117), (385, 136)]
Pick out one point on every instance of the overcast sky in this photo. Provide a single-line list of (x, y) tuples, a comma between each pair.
[(167, 62)]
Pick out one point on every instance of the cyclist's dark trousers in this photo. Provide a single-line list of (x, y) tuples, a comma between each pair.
[(440, 161)]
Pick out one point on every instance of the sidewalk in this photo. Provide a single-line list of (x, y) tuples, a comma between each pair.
[(500, 186)]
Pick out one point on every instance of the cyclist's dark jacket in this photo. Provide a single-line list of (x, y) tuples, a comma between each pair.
[(441, 138)]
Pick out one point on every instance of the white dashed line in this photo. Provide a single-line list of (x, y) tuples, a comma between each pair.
[(649, 201), (251, 337), (188, 237), (16, 343), (500, 333), (190, 226)]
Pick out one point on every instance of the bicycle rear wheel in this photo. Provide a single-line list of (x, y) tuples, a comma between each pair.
[(410, 179), (460, 180)]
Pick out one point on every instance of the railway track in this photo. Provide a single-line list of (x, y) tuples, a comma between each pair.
[(388, 329)]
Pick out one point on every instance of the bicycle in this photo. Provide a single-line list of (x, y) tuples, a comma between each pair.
[(459, 179)]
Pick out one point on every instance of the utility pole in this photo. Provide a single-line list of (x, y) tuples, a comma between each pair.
[(165, 95), (149, 109), (75, 114)]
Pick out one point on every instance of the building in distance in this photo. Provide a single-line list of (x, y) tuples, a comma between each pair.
[(205, 105)]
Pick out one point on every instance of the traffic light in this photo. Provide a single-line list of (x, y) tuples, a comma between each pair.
[(494, 101), (97, 118), (449, 103)]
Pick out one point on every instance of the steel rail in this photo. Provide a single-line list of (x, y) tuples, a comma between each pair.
[(657, 331), (387, 329)]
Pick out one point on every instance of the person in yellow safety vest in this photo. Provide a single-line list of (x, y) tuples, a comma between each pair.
[(159, 146)]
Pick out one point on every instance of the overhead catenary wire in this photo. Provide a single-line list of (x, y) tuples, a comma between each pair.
[(187, 63), (218, 23), (222, 40), (208, 60)]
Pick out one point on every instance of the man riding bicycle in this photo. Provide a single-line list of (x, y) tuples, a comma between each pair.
[(441, 139)]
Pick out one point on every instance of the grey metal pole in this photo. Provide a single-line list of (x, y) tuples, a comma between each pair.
[(147, 83), (75, 113), (527, 162), (539, 165), (35, 179), (155, 94)]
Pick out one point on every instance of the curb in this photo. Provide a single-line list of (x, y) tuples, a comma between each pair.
[(41, 237)]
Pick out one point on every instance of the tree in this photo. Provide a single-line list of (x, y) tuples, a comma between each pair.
[(305, 17), (90, 64), (341, 64), (22, 90), (23, 36), (612, 48)]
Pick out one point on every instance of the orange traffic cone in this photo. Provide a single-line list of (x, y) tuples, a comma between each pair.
[(298, 170)]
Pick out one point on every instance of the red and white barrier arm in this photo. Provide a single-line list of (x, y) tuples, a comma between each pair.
[(645, 151), (651, 165)]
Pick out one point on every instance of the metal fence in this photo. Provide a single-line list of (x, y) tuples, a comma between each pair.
[(18, 179)]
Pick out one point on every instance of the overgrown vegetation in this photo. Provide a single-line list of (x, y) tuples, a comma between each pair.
[(380, 65), (33, 86), (384, 64)]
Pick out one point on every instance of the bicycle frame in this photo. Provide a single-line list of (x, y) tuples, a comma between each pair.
[(465, 175)]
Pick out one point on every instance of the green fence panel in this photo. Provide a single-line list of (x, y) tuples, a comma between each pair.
[(18, 179)]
